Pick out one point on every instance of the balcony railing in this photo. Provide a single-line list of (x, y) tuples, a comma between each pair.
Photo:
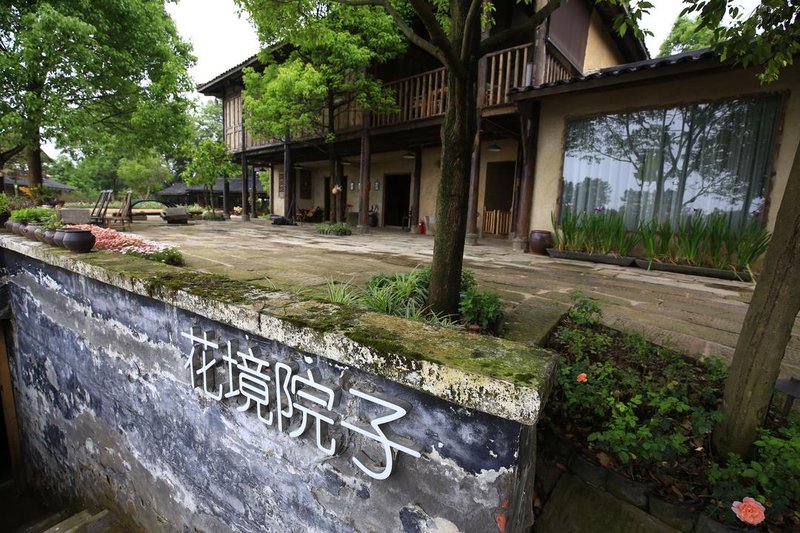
[(424, 96)]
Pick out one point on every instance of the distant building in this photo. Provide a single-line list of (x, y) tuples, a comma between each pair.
[(180, 193)]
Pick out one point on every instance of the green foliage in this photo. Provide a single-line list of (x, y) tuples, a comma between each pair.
[(209, 160), (5, 203), (648, 404), (339, 228), (751, 244), (143, 174), (170, 256), (340, 293), (689, 239), (53, 222), (333, 47), (482, 308), (77, 72), (600, 232), (767, 37), (772, 476), (30, 215), (656, 239), (687, 34)]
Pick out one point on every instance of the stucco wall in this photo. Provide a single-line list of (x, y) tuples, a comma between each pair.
[(108, 417), (557, 110), (601, 51)]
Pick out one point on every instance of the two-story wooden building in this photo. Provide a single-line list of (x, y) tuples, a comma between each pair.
[(405, 146)]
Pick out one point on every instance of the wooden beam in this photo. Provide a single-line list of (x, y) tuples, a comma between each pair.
[(10, 411)]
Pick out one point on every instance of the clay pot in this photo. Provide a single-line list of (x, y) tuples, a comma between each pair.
[(78, 240), (7, 224), (30, 231), (58, 238), (48, 236), (16, 227), (539, 240), (38, 234)]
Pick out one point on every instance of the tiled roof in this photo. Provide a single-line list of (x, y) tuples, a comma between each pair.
[(626, 68), (180, 188)]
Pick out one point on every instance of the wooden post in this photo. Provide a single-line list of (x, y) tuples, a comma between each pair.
[(9, 410), (288, 182), (245, 214), (226, 193), (272, 189), (254, 196), (529, 128), (416, 181), (364, 176), (471, 237)]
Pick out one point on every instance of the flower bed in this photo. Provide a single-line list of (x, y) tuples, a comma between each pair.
[(647, 413), (131, 244)]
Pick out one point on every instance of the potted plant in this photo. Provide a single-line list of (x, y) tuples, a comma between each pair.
[(28, 216), (50, 226), (5, 209)]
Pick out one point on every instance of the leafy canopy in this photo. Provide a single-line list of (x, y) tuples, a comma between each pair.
[(71, 70), (686, 34), (327, 50), (210, 160)]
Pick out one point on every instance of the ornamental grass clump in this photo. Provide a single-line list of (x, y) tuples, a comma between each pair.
[(339, 228)]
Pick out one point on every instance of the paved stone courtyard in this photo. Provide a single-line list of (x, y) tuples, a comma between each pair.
[(699, 315)]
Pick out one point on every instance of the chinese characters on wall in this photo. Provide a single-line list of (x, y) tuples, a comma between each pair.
[(293, 401)]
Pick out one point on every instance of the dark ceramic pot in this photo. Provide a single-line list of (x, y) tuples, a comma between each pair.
[(16, 227), (38, 234), (58, 238), (4, 219), (48, 236), (539, 240), (9, 226), (78, 240), (30, 231)]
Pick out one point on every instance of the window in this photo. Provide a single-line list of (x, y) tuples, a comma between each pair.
[(670, 163)]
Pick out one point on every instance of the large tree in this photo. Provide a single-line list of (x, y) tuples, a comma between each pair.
[(686, 34), (72, 70), (331, 49)]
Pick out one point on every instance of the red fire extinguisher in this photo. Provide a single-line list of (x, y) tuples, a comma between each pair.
[(421, 227)]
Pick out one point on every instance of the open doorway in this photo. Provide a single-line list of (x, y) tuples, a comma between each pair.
[(498, 197), (396, 199)]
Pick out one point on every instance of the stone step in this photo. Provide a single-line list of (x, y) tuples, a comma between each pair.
[(46, 523)]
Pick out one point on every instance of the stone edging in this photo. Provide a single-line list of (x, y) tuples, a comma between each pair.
[(408, 359)]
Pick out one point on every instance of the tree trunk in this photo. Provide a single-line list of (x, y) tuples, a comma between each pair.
[(766, 330), (458, 132), (33, 156)]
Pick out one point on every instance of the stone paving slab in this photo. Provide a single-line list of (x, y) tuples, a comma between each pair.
[(696, 314)]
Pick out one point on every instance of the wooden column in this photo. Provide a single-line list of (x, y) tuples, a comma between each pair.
[(245, 214), (364, 171), (416, 181), (288, 182), (226, 197), (254, 196), (471, 237), (529, 128), (272, 189)]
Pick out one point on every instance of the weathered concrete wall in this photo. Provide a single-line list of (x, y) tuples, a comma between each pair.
[(108, 416)]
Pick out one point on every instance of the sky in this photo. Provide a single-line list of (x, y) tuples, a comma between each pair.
[(222, 38)]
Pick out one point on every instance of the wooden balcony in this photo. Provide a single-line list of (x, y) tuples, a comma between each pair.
[(424, 96)]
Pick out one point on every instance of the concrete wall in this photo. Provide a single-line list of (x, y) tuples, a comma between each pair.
[(108, 417), (558, 110), (601, 50)]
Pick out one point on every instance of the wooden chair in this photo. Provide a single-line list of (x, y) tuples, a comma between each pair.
[(123, 217), (98, 215)]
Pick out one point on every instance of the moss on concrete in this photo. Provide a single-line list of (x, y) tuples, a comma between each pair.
[(392, 336)]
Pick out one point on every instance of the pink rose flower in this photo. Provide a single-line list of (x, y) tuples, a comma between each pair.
[(582, 378), (748, 511)]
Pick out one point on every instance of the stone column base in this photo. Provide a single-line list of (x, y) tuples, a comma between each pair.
[(471, 239), (362, 229), (519, 245)]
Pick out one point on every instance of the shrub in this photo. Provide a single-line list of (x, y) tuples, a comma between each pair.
[(5, 203), (482, 308), (30, 215), (339, 228), (168, 256)]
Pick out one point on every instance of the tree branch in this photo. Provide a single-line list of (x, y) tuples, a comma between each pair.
[(469, 28), (438, 37), (518, 34), (8, 154)]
